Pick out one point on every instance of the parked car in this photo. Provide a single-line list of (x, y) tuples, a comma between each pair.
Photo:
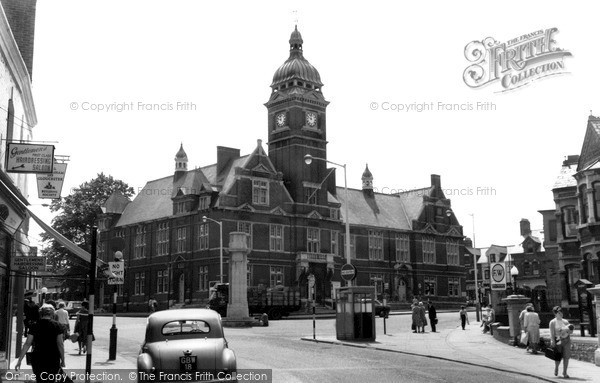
[(73, 307), (380, 309), (186, 341)]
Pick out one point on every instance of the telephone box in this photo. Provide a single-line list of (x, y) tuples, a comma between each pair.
[(355, 313)]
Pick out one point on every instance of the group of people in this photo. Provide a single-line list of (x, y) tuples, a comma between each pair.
[(419, 319), (46, 332)]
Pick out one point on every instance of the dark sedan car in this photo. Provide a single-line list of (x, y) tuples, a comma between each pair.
[(380, 309)]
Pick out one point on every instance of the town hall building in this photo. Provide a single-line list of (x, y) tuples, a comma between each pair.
[(407, 244)]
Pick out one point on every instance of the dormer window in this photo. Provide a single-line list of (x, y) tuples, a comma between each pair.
[(334, 213), (260, 192), (180, 207), (204, 203)]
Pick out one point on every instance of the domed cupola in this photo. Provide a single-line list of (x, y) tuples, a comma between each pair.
[(367, 179), (181, 160), (296, 71)]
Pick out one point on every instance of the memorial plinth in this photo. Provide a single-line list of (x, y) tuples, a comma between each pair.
[(237, 308)]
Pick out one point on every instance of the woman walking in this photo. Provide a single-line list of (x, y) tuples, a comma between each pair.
[(531, 324), (560, 338), (48, 354), (422, 317), (464, 318), (81, 326)]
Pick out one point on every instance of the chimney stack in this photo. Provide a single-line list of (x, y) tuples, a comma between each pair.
[(525, 227)]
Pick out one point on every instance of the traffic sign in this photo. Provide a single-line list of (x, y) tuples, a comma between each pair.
[(498, 276), (118, 270), (348, 272)]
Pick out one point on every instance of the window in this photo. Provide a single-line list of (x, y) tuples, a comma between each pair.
[(574, 274), (139, 284), (246, 227), (313, 240), (429, 286), (535, 266), (584, 203), (101, 250), (140, 242), (335, 246), (260, 192), (486, 274), (276, 237), (376, 279), (428, 250), (310, 195), (162, 239), (120, 233), (452, 252), (596, 188), (179, 207), (569, 221), (334, 213), (375, 245), (162, 281), (552, 230), (276, 276), (204, 203), (203, 278), (249, 275), (492, 258), (202, 236), (181, 239), (453, 287), (402, 248)]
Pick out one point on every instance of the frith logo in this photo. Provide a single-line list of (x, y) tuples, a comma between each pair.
[(515, 63)]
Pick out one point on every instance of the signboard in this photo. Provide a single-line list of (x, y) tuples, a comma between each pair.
[(29, 158), (498, 276), (118, 270), (348, 272), (50, 185), (28, 264)]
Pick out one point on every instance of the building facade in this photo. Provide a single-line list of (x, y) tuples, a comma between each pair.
[(406, 244)]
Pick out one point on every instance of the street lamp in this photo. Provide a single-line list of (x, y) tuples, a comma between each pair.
[(308, 159), (204, 219), (477, 304), (514, 272)]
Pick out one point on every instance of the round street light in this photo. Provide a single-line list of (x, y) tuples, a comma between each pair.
[(514, 272), (308, 159)]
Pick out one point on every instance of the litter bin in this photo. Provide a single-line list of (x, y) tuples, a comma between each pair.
[(355, 313)]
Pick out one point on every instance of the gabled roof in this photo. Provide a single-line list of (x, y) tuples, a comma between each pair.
[(565, 177), (394, 211), (116, 203), (191, 183), (152, 202), (590, 150)]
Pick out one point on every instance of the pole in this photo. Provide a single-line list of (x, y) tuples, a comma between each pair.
[(88, 357), (347, 221), (477, 304), (112, 347), (221, 250), (313, 312), (385, 316)]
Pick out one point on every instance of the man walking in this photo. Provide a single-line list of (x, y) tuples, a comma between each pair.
[(432, 315)]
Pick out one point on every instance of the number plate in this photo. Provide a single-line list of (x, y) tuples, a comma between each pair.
[(187, 363)]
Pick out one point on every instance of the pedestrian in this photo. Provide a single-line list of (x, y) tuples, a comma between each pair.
[(48, 355), (464, 318), (522, 320), (491, 319), (152, 304), (560, 339), (432, 315), (484, 320), (63, 318), (81, 326), (531, 324), (31, 314), (422, 317), (415, 314)]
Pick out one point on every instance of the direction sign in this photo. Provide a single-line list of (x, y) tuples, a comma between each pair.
[(118, 270), (29, 158), (498, 276), (28, 264), (348, 272)]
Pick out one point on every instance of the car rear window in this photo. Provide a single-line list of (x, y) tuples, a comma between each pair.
[(181, 327)]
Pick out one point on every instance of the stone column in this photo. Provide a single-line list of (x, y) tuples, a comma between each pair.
[(514, 305), (596, 292), (237, 308)]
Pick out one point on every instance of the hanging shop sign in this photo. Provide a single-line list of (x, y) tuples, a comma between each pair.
[(28, 264), (50, 185), (29, 158)]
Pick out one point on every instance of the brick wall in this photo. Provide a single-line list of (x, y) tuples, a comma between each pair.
[(21, 17)]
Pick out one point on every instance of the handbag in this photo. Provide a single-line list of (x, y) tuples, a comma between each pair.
[(73, 337), (28, 358), (552, 353), (524, 338)]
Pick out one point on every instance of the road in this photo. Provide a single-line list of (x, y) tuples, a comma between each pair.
[(278, 347)]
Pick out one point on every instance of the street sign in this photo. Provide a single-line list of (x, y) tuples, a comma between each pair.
[(118, 270), (498, 276), (50, 185), (28, 264), (348, 272), (29, 158)]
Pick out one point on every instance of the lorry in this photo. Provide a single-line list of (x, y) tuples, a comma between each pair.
[(275, 302)]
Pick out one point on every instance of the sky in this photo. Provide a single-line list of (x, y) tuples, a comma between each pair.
[(217, 60)]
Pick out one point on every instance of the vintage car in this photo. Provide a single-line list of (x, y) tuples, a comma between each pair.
[(73, 308), (185, 342)]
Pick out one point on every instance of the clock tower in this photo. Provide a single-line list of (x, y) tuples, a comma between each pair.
[(297, 126)]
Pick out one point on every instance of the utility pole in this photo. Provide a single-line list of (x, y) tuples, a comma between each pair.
[(88, 357)]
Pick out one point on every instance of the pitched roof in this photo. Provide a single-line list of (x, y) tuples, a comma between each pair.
[(116, 203), (565, 177), (152, 202), (590, 150), (394, 211)]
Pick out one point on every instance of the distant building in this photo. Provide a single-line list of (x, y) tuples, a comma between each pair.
[(405, 244)]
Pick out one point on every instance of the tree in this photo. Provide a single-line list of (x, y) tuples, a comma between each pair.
[(77, 215)]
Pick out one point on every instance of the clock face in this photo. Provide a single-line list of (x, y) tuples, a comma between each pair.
[(280, 119), (311, 119)]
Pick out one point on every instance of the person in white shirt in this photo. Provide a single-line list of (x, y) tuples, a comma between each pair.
[(531, 324), (62, 317)]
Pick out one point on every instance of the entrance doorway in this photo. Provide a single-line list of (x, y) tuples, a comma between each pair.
[(181, 288)]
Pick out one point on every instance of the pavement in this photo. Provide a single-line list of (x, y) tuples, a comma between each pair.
[(472, 347)]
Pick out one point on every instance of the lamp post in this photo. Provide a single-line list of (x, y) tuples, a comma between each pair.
[(477, 304), (204, 219), (308, 159), (514, 272)]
